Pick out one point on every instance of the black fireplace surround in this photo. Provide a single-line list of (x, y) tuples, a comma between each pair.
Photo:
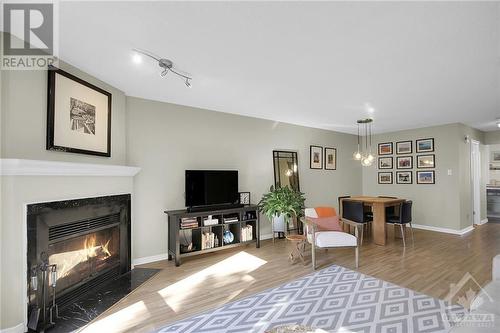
[(88, 240)]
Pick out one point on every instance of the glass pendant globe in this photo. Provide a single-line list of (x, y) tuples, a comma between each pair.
[(366, 162), (370, 157), (357, 155)]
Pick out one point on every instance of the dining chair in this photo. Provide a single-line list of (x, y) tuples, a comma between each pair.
[(340, 206), (403, 219), (391, 210), (325, 239), (353, 214)]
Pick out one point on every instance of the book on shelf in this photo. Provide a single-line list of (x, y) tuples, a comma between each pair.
[(209, 240), (207, 222), (230, 219), (189, 222), (247, 233)]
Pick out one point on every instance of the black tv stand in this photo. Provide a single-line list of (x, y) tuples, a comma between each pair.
[(243, 222), (214, 207)]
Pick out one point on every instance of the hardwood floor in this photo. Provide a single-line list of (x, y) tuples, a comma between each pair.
[(202, 283)]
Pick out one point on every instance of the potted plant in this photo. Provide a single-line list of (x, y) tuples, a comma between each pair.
[(280, 205)]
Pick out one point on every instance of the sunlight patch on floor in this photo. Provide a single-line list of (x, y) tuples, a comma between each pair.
[(122, 318), (229, 271)]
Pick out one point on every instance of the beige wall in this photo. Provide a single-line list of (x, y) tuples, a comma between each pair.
[(24, 118), (166, 139), (491, 138)]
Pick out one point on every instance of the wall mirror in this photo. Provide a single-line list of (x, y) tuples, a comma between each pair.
[(286, 169)]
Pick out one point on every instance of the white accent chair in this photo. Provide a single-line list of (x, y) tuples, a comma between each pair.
[(327, 239)]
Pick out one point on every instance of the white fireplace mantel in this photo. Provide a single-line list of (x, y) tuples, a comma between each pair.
[(22, 167)]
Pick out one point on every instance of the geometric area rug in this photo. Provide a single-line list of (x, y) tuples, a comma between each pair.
[(334, 299)]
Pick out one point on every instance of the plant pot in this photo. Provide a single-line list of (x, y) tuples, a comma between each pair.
[(279, 224)]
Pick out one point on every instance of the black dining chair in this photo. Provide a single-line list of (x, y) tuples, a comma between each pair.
[(391, 210), (353, 214), (403, 219)]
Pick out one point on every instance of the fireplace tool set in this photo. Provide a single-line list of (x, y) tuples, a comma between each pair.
[(49, 280)]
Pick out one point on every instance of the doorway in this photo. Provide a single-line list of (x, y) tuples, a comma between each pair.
[(475, 158)]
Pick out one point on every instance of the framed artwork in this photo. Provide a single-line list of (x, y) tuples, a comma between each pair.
[(316, 157), (426, 177), (245, 198), (424, 145), (404, 147), (330, 158), (385, 148), (426, 161), (404, 162), (495, 156), (78, 115), (385, 177), (404, 177), (385, 162)]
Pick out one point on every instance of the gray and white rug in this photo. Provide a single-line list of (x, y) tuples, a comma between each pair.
[(334, 299)]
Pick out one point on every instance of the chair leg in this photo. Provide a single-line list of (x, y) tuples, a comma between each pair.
[(403, 235), (412, 238), (357, 256), (361, 242), (313, 255)]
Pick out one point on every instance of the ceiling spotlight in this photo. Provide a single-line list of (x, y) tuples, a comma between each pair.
[(166, 66), (136, 58)]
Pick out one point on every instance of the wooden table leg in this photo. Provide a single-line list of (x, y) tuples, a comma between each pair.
[(379, 230)]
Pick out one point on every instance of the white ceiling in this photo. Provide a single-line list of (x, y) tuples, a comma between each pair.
[(320, 64)]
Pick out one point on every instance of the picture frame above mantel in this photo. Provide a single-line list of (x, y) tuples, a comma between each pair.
[(78, 115)]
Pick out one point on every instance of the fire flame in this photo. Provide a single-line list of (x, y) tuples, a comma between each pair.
[(66, 261)]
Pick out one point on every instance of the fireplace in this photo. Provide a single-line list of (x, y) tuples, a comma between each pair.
[(74, 246)]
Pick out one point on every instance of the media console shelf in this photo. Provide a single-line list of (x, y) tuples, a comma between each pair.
[(189, 236)]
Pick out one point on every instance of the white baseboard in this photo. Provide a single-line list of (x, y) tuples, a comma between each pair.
[(147, 260), (164, 256), (19, 328), (266, 236), (445, 230), (483, 221)]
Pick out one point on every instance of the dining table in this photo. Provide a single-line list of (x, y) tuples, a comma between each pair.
[(378, 205)]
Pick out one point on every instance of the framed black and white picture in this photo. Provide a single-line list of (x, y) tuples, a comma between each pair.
[(404, 162), (404, 147), (245, 198), (330, 159), (78, 115), (404, 177), (426, 161), (385, 148), (424, 145), (316, 157), (385, 177), (426, 177), (385, 162)]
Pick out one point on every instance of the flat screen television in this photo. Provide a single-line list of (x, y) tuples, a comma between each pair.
[(211, 188)]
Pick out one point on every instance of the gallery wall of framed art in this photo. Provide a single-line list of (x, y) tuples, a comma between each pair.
[(407, 156)]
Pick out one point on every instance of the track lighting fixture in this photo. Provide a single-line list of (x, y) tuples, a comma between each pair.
[(166, 65)]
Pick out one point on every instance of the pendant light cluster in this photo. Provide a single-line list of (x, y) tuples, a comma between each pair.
[(364, 152)]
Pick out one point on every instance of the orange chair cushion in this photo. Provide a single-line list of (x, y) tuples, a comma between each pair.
[(325, 211), (330, 223)]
